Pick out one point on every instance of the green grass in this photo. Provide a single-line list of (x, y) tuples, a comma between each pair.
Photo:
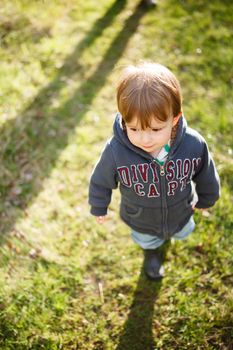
[(66, 283)]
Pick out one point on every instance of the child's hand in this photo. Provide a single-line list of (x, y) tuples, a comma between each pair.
[(194, 208), (202, 210), (100, 219)]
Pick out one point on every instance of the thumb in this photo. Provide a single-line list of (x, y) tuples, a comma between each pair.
[(100, 219)]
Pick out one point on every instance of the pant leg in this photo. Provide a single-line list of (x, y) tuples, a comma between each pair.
[(146, 241), (186, 230)]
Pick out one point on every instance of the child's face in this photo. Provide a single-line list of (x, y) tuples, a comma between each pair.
[(151, 139)]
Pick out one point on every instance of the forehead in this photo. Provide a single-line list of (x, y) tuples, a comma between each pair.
[(154, 122)]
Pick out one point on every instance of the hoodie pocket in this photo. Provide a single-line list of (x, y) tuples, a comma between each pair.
[(179, 214), (133, 211), (142, 219)]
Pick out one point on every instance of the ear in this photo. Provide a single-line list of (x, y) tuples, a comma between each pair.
[(176, 119)]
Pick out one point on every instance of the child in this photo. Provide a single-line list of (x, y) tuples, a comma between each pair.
[(163, 167)]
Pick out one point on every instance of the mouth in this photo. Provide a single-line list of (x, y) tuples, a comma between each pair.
[(147, 146)]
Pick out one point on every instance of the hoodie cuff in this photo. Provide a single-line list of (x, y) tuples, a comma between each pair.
[(97, 211), (201, 205)]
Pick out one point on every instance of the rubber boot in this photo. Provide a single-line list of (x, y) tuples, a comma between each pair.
[(153, 267), (150, 3)]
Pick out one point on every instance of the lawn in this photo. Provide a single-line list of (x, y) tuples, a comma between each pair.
[(66, 282)]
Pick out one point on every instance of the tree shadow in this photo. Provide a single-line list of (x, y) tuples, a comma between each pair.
[(27, 144), (137, 331)]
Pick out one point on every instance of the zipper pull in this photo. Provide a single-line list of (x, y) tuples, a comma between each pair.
[(162, 171)]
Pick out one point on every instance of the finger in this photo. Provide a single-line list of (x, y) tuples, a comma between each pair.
[(100, 219)]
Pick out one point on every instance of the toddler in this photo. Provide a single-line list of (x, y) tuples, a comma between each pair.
[(163, 167)]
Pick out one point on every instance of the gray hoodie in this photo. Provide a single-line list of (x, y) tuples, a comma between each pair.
[(155, 199)]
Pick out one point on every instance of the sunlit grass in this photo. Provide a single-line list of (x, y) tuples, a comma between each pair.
[(67, 283)]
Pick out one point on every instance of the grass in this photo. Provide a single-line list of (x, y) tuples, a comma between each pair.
[(67, 283)]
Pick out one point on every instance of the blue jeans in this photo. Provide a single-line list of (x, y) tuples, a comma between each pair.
[(152, 242)]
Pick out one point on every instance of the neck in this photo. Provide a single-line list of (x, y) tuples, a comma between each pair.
[(156, 152)]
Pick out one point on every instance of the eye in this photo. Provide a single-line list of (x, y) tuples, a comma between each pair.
[(156, 130), (133, 129)]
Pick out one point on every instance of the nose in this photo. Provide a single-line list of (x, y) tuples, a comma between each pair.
[(145, 138)]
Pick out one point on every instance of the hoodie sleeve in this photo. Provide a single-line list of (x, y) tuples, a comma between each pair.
[(103, 181), (207, 181)]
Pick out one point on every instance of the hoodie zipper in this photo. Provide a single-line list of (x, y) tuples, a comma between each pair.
[(162, 171), (161, 166), (163, 198)]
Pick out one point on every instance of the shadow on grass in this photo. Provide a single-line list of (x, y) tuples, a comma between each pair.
[(137, 332), (27, 144)]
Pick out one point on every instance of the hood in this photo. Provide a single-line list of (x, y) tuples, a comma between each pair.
[(122, 137)]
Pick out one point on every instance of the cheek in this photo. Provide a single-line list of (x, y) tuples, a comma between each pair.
[(164, 137), (167, 133), (132, 137)]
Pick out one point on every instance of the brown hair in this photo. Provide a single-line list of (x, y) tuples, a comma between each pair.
[(148, 90)]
